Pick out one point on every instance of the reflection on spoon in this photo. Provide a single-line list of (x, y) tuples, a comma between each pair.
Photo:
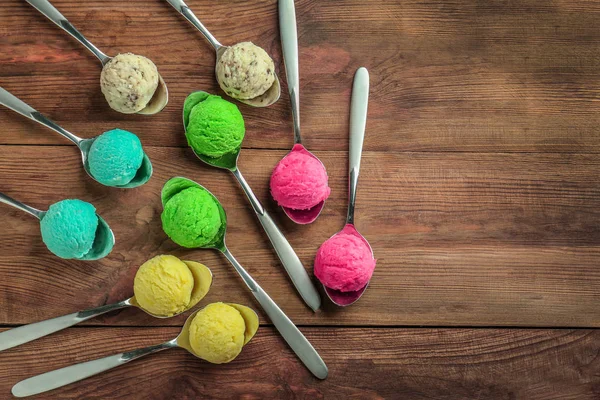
[(242, 70), (245, 329), (299, 183), (119, 160), (348, 247), (155, 101), (202, 280), (94, 238), (194, 217)]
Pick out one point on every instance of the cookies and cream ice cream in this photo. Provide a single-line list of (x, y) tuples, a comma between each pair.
[(213, 126), (245, 71), (219, 331), (128, 82), (115, 157), (69, 228)]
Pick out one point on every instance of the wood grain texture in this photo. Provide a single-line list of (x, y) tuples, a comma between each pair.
[(461, 239), (460, 75), (363, 364)]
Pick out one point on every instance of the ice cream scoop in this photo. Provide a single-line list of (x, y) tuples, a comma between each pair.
[(299, 183), (166, 299), (344, 263), (126, 88), (114, 158), (204, 335), (244, 71), (70, 230), (215, 133), (190, 211)]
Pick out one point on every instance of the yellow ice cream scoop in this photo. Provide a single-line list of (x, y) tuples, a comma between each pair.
[(219, 331), (165, 285)]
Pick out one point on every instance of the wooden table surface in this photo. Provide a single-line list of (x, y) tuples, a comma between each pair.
[(479, 195)]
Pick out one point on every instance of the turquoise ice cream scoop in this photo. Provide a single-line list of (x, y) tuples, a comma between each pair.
[(113, 158), (71, 228)]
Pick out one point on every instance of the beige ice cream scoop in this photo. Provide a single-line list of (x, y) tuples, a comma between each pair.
[(130, 83)]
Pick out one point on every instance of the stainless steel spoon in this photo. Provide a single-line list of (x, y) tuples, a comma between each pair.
[(289, 44), (103, 241), (74, 373), (161, 96), (265, 99), (290, 333), (27, 333), (14, 103), (358, 121), (284, 250)]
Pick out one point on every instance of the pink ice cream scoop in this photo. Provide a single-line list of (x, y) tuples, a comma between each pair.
[(345, 262), (299, 181)]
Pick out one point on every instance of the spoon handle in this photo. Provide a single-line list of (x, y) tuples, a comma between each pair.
[(290, 333), (11, 101), (74, 373), (289, 44), (27, 333), (46, 8), (23, 207), (358, 121), (184, 10), (284, 250)]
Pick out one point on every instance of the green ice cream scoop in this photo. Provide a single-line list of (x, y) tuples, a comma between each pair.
[(214, 126), (192, 218)]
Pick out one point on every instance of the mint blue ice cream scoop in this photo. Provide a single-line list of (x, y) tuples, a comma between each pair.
[(115, 157), (69, 228)]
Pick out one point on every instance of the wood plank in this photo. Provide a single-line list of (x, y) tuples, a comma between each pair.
[(363, 364), (461, 238), (457, 75)]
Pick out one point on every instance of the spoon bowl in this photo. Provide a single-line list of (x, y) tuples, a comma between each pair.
[(304, 217), (159, 99)]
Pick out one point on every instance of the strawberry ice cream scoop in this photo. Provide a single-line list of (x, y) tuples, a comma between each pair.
[(299, 181), (344, 262)]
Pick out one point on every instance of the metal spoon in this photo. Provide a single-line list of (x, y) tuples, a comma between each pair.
[(265, 99), (358, 121), (11, 101), (284, 250), (289, 44), (103, 241), (290, 333), (27, 333), (74, 373), (161, 96)]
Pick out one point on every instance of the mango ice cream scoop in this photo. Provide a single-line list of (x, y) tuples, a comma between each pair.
[(164, 286), (217, 333)]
